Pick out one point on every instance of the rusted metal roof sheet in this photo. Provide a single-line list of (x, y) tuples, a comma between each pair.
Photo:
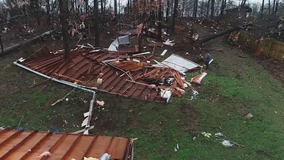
[(84, 67), (25, 145)]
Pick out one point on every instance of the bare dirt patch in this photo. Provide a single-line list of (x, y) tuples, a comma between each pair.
[(190, 120)]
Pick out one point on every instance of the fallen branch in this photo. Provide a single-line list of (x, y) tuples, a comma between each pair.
[(60, 100)]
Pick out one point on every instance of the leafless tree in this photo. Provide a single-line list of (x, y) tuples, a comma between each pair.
[(96, 12), (115, 7), (276, 8), (168, 9), (195, 4), (262, 7), (102, 7), (64, 24), (269, 7), (208, 7), (201, 8), (223, 5), (174, 15), (212, 8), (160, 21)]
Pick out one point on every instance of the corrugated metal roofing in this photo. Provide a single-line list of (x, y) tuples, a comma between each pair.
[(178, 63), (25, 145), (84, 67)]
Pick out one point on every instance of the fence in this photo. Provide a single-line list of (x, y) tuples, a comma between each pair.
[(269, 47)]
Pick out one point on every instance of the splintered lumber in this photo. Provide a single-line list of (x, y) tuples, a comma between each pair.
[(11, 48)]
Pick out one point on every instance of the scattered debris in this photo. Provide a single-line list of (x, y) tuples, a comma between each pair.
[(100, 103), (164, 52), (54, 129), (197, 79), (169, 43), (227, 143), (105, 156), (248, 116), (44, 154), (219, 134), (207, 135), (84, 130)]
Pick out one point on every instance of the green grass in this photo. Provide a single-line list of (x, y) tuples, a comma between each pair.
[(233, 88)]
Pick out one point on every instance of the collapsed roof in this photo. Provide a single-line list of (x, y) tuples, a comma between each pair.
[(130, 75)]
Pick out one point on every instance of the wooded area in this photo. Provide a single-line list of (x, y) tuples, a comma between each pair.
[(89, 17)]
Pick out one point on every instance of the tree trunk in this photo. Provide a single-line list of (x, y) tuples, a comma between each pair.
[(115, 7), (212, 8), (183, 8), (119, 9), (128, 6), (86, 4), (37, 12), (25, 14), (174, 16), (273, 7), (18, 45), (102, 7), (223, 6), (97, 34), (194, 9), (48, 20), (167, 11), (160, 21), (73, 6), (213, 36), (64, 24), (276, 7), (262, 7), (2, 48), (201, 9), (208, 7), (47, 7), (269, 7)]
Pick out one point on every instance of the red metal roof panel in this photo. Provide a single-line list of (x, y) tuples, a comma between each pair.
[(29, 144)]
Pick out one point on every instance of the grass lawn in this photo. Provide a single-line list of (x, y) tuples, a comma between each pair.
[(233, 87)]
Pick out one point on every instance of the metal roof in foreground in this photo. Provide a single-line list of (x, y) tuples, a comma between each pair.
[(27, 145)]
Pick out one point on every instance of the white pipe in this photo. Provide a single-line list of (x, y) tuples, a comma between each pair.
[(57, 80)]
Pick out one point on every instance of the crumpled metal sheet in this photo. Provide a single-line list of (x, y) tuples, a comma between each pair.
[(122, 40)]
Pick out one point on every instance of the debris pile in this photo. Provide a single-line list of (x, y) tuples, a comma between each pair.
[(136, 75)]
